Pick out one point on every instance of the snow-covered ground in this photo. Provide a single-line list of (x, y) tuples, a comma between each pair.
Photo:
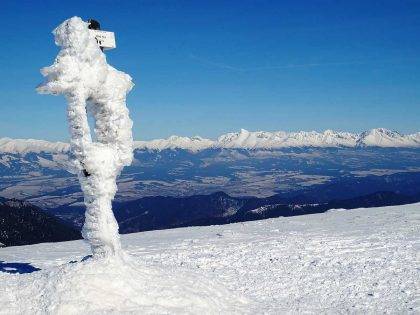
[(355, 261)]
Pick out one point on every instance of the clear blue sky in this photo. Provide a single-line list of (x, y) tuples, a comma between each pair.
[(209, 67)]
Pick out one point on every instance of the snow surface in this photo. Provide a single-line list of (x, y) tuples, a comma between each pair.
[(244, 139), (82, 74), (354, 261)]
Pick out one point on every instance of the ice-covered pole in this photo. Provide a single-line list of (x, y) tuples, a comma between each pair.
[(90, 85)]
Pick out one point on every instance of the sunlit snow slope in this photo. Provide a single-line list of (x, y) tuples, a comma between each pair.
[(337, 262)]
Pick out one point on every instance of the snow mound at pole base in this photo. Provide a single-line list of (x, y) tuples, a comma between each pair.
[(120, 285)]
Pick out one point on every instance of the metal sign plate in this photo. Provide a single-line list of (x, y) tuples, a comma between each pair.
[(106, 40)]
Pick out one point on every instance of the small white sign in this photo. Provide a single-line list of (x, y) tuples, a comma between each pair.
[(106, 40)]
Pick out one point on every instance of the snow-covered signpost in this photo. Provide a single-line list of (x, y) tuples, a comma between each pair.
[(80, 72), (90, 85)]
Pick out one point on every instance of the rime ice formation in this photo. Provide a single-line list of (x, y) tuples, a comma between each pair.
[(81, 73)]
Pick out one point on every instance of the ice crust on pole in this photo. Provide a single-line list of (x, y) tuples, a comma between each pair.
[(81, 73)]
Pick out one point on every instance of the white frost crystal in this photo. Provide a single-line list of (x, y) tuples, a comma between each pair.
[(81, 73)]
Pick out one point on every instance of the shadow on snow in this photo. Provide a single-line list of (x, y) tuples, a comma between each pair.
[(17, 267)]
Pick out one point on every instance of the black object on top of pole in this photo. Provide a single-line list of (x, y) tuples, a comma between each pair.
[(105, 40), (94, 25)]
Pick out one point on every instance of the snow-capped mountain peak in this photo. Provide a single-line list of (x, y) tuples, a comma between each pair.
[(279, 139), (244, 139), (386, 138), (175, 142), (23, 146)]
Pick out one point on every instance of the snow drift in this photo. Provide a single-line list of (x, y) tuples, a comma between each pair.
[(115, 285)]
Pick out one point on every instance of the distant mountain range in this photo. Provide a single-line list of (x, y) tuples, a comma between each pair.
[(37, 171), (184, 181), (244, 139)]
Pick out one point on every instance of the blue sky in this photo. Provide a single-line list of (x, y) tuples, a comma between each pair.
[(210, 67)]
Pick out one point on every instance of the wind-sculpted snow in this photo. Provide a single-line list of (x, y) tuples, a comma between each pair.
[(119, 284), (246, 140), (361, 261), (81, 73)]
